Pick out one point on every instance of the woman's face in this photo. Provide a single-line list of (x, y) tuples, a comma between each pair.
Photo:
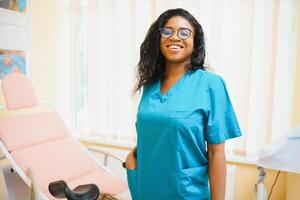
[(174, 48)]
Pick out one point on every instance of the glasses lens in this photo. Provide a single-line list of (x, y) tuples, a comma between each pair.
[(166, 32), (184, 33)]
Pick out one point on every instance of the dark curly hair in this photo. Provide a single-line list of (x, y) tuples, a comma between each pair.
[(151, 66)]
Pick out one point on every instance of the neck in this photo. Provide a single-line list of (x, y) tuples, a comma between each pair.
[(174, 70)]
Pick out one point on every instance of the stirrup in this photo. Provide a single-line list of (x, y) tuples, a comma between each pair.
[(60, 190)]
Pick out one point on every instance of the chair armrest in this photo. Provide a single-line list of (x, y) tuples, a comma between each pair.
[(106, 155)]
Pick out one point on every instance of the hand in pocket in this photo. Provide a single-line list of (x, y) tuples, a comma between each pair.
[(131, 160)]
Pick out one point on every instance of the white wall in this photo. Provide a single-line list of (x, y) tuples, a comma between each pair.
[(51, 53)]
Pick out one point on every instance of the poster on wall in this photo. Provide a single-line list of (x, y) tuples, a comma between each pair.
[(12, 61), (15, 5), (14, 37)]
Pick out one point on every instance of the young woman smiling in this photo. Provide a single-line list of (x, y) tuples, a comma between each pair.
[(184, 116)]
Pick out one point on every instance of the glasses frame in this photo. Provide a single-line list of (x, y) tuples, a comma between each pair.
[(178, 30)]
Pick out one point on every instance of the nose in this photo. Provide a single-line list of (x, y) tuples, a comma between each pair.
[(174, 36)]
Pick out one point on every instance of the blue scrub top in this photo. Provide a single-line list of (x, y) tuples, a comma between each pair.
[(172, 131)]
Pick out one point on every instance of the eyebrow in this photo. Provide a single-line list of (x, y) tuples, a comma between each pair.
[(177, 28)]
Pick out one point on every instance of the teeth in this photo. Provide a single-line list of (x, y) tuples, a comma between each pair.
[(174, 47)]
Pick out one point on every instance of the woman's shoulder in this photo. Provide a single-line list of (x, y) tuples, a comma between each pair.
[(208, 77), (210, 82), (149, 89)]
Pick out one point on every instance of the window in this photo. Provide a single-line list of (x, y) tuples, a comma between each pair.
[(249, 43)]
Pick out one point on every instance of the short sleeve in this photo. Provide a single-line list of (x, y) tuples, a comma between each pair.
[(221, 121)]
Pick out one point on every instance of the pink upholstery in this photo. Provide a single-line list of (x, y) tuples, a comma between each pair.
[(107, 182), (41, 141), (56, 160), (18, 91), (25, 130)]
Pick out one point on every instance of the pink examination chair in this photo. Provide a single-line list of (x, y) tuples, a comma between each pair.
[(41, 150)]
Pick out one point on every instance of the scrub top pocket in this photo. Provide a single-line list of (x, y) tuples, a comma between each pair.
[(185, 114), (193, 183)]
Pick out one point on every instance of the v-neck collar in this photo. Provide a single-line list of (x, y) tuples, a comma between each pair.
[(173, 88)]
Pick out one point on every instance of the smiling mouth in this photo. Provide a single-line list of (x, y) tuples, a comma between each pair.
[(174, 46)]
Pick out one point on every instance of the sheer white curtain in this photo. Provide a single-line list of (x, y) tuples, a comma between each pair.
[(250, 43)]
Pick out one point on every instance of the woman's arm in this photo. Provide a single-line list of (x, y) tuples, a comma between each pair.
[(131, 159), (217, 171)]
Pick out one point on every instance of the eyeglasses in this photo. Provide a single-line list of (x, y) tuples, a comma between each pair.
[(182, 33)]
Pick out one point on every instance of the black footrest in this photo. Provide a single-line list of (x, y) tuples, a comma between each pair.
[(60, 190)]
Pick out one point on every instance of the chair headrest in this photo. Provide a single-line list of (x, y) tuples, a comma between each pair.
[(18, 91)]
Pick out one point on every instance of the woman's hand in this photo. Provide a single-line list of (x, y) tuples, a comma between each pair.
[(131, 160)]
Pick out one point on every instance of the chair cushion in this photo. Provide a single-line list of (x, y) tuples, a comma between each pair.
[(25, 130), (107, 182), (18, 91), (62, 159)]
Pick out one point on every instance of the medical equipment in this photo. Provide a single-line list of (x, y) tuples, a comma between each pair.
[(40, 148), (282, 155)]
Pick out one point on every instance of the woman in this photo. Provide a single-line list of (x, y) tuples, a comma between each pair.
[(184, 116)]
